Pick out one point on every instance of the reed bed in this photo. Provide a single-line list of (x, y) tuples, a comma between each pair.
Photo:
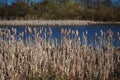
[(40, 57)]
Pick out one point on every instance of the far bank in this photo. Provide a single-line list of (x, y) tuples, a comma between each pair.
[(51, 22)]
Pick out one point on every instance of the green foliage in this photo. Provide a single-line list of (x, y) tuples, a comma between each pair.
[(106, 13), (90, 14), (49, 9)]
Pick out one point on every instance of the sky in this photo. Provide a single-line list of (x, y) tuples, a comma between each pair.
[(114, 1), (10, 1)]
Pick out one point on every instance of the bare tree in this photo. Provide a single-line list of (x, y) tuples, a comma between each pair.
[(108, 2)]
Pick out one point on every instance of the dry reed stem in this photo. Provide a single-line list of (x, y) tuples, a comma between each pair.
[(69, 59)]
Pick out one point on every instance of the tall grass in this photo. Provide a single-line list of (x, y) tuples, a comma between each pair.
[(40, 57)]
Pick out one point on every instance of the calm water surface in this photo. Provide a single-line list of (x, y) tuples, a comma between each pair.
[(90, 29)]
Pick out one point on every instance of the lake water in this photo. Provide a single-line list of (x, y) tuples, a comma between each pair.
[(90, 29)]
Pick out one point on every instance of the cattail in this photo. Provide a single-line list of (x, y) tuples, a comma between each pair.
[(76, 32), (37, 34), (50, 31), (69, 30), (101, 32), (25, 30), (73, 32), (62, 31), (7, 35), (40, 31), (45, 30), (0, 32), (35, 30), (12, 38), (14, 30), (78, 40), (67, 33), (29, 30), (20, 34), (9, 32), (108, 31)]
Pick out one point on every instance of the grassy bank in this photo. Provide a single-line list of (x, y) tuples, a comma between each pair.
[(51, 22)]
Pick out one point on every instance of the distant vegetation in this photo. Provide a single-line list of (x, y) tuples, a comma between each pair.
[(61, 10)]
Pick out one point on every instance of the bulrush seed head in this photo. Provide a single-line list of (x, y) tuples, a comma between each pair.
[(73, 32), (101, 32), (62, 31), (12, 38), (50, 31), (14, 31), (76, 32), (29, 30), (35, 30), (67, 32)]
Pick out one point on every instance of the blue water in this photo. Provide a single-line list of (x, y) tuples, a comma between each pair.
[(91, 30)]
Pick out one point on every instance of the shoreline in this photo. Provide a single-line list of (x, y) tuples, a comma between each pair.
[(52, 22)]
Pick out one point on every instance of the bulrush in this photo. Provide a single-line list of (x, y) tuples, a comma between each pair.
[(0, 32), (12, 38), (50, 31), (76, 32), (46, 58), (29, 30), (118, 33), (101, 32)]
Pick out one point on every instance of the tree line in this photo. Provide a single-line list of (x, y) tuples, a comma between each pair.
[(61, 9)]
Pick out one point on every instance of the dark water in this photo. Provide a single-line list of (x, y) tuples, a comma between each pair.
[(91, 30)]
